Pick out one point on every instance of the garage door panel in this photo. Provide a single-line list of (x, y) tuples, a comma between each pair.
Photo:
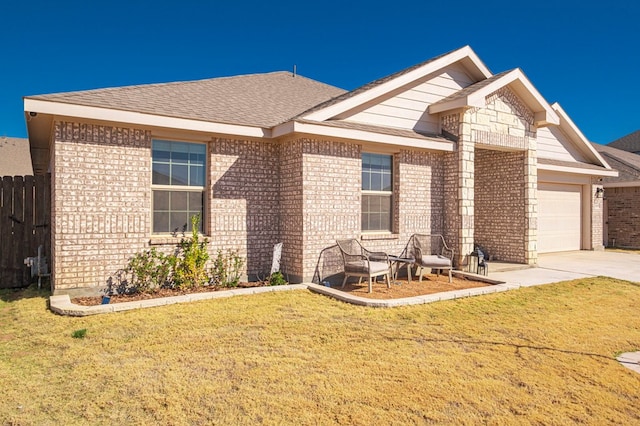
[(559, 217)]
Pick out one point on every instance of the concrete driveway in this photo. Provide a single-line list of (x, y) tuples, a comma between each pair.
[(555, 267)]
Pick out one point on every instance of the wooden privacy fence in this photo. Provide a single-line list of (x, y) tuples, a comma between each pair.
[(25, 219)]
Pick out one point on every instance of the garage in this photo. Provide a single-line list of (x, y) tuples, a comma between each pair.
[(559, 217)]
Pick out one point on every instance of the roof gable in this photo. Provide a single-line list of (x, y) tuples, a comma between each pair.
[(579, 140), (476, 94), (376, 90)]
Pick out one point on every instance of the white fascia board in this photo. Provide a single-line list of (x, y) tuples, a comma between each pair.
[(368, 95), (145, 119), (577, 170), (550, 116), (568, 125), (360, 135)]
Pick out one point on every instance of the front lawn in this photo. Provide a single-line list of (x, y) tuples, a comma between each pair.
[(541, 355)]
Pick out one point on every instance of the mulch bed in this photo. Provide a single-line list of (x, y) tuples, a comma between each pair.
[(430, 284), (163, 292), (401, 288)]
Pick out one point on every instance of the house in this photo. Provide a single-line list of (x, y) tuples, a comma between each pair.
[(630, 142), (444, 146), (621, 197), (15, 159)]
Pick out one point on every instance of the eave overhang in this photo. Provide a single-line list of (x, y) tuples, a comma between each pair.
[(326, 129)]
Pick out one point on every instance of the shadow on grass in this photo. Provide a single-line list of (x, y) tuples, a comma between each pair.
[(31, 292), (516, 346)]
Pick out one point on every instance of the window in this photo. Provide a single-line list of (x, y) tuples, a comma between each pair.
[(178, 178), (377, 192)]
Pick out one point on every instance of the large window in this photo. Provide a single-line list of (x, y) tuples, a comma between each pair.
[(178, 170), (377, 192)]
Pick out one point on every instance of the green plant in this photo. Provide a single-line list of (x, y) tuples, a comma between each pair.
[(79, 334), (149, 270), (189, 265), (277, 279), (226, 269)]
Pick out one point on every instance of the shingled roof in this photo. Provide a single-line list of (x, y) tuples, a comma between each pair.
[(262, 100), (15, 158), (627, 163), (630, 142)]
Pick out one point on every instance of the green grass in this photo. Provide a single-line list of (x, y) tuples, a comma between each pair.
[(542, 355)]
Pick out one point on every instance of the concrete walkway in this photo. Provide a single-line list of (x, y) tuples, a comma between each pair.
[(555, 267)]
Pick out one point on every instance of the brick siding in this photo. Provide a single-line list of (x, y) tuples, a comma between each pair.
[(101, 214), (500, 204), (623, 215)]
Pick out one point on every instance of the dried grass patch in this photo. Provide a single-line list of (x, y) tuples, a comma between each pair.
[(540, 355)]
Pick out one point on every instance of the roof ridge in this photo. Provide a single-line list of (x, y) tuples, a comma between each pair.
[(168, 83)]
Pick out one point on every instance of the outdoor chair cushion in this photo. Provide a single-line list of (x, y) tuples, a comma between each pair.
[(360, 267), (435, 261)]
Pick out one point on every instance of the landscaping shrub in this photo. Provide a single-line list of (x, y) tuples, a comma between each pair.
[(226, 269), (150, 270), (277, 279), (189, 264)]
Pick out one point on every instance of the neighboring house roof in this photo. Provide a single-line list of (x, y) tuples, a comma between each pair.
[(15, 158), (630, 142), (262, 100), (627, 164)]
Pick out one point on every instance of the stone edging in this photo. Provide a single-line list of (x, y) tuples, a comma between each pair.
[(62, 305)]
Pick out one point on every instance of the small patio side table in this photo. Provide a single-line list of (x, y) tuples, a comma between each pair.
[(398, 262)]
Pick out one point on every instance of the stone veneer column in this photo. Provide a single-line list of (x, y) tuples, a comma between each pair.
[(531, 202), (466, 177)]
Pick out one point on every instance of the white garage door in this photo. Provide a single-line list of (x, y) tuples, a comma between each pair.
[(559, 217)]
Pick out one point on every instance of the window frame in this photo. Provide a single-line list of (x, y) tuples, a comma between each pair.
[(188, 189), (388, 194)]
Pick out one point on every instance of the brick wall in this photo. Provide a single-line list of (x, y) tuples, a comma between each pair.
[(291, 208), (101, 214), (623, 215), (244, 211), (331, 199), (500, 225)]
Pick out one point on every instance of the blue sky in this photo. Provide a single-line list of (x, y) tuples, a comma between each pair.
[(584, 55)]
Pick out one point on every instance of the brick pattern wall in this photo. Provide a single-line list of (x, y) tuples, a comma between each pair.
[(291, 208), (623, 215), (244, 210), (101, 215), (500, 204), (418, 200), (332, 197), (332, 182)]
